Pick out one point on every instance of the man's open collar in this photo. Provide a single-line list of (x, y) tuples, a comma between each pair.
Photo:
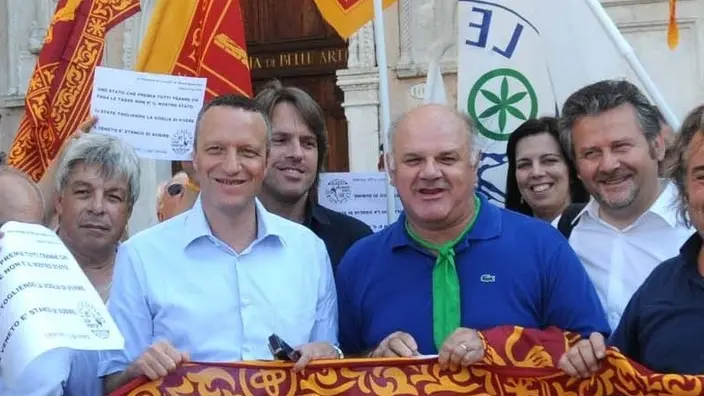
[(663, 207), (196, 224)]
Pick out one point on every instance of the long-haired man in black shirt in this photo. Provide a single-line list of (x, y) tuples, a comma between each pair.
[(298, 151)]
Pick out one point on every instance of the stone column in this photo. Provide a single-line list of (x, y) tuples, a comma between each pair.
[(43, 13), (360, 84), (21, 22), (424, 24)]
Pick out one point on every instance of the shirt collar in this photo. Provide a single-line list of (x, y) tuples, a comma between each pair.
[(487, 226), (689, 257), (666, 205), (197, 224), (690, 249), (663, 207)]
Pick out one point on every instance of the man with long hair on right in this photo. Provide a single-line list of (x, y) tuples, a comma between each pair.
[(666, 314)]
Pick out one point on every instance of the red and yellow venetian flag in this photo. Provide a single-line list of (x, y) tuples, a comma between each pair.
[(673, 34), (58, 96), (200, 38), (348, 16), (517, 362)]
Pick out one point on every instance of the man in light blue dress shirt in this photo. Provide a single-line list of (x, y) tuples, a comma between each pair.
[(95, 185), (213, 283)]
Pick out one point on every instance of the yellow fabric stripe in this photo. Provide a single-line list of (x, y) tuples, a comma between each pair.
[(347, 22), (166, 35)]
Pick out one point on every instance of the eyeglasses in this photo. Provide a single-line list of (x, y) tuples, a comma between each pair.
[(174, 189)]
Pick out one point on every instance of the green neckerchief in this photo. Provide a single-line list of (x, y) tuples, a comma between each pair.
[(446, 283)]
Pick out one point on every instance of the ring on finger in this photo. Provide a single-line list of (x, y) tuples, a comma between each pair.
[(466, 349)]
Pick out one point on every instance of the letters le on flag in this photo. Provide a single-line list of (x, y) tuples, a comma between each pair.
[(503, 80), (199, 38), (348, 16), (518, 61), (58, 96)]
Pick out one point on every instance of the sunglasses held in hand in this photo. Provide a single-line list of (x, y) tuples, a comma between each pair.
[(174, 189)]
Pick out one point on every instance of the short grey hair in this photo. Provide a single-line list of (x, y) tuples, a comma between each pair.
[(602, 96), (235, 102), (113, 158), (692, 126), (470, 128)]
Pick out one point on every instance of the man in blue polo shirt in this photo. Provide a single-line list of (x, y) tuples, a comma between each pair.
[(453, 263)]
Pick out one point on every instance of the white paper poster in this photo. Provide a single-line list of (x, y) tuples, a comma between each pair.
[(154, 113), (46, 301), (360, 195)]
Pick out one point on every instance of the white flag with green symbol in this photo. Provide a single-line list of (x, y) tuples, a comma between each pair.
[(520, 59)]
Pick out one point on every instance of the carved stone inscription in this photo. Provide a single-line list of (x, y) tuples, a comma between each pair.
[(334, 57)]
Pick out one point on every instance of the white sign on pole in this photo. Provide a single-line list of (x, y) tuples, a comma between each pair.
[(46, 301), (154, 113), (360, 195)]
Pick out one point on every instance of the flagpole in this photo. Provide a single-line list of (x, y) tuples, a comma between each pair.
[(629, 54), (385, 112)]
